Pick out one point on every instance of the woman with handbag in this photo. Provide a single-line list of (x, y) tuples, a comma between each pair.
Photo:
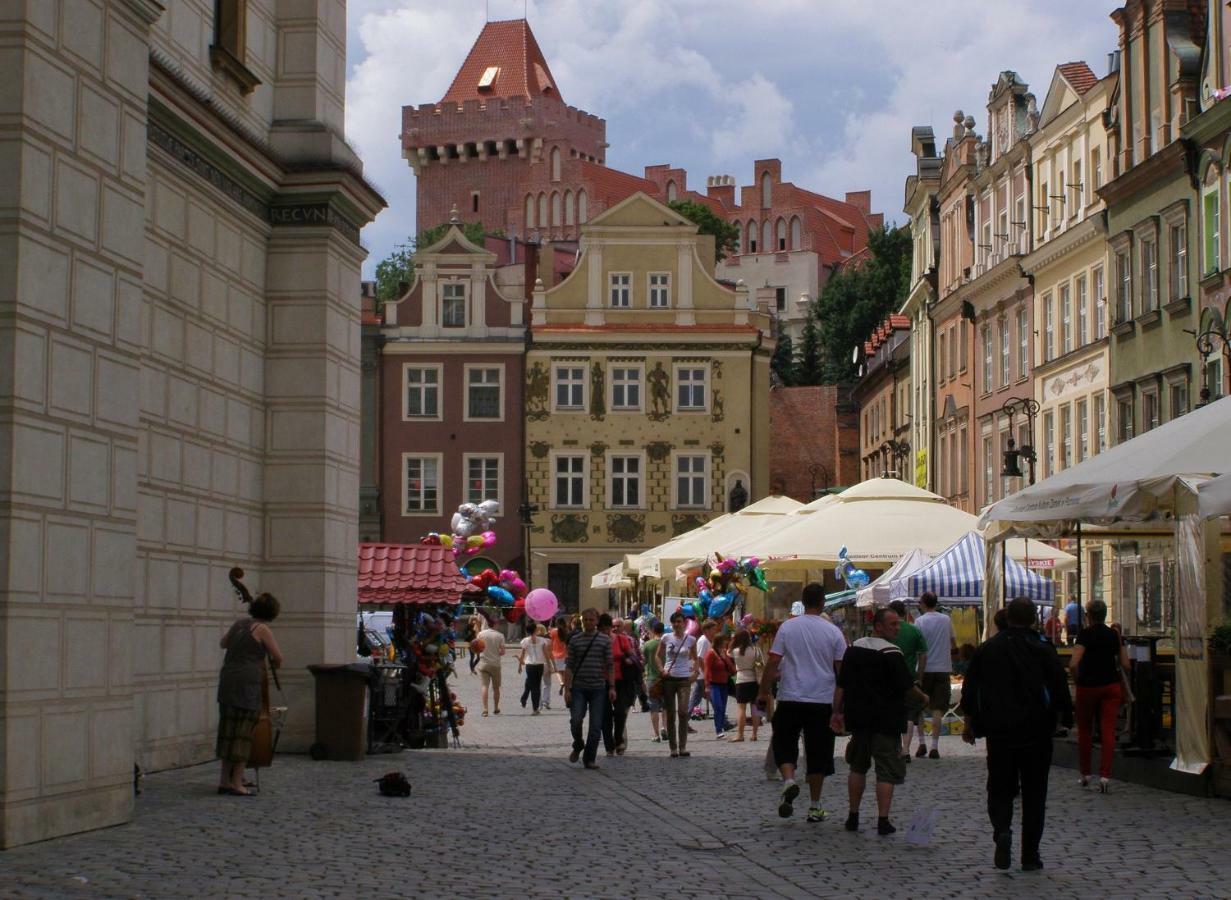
[(652, 675), (1099, 660), (677, 661), (748, 664)]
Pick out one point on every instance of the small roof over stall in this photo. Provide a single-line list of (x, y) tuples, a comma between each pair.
[(409, 573)]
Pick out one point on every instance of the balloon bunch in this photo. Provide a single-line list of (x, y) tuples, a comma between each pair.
[(845, 570), (504, 588), (471, 529), (722, 586), (431, 645)]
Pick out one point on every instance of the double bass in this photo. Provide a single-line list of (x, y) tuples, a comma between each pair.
[(264, 738)]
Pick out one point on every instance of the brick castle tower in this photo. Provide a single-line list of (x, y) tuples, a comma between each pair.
[(501, 126)]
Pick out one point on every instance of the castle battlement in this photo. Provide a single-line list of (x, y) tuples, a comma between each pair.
[(431, 124)]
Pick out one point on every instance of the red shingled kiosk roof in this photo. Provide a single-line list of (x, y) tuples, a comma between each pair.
[(409, 573)]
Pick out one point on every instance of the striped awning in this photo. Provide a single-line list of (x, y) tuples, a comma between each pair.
[(957, 574)]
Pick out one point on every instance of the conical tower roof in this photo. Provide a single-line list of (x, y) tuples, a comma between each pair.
[(505, 61)]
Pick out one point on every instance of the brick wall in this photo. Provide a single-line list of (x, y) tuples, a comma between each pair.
[(810, 430)]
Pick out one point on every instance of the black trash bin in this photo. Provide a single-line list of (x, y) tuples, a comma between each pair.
[(341, 710)]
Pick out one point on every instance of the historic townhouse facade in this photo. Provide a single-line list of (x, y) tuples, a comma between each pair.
[(179, 380), (951, 316), (644, 396), (924, 211), (883, 394), (1000, 293)]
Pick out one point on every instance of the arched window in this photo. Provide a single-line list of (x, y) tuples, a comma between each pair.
[(752, 235), (568, 208), (781, 245), (739, 237), (542, 210), (796, 236), (529, 211), (670, 191), (767, 191), (583, 208), (556, 215), (767, 236), (555, 163)]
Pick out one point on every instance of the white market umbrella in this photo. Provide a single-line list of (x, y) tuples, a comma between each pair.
[(1215, 496), (878, 592), (699, 543)]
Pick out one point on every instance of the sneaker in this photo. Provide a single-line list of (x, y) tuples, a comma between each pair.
[(852, 822), (1004, 850), (574, 756), (1104, 785), (935, 754), (884, 827), (1032, 865), (656, 740), (921, 752), (816, 814), (663, 734), (786, 799), (720, 735)]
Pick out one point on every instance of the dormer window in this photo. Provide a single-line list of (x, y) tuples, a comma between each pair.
[(488, 80), (453, 304)]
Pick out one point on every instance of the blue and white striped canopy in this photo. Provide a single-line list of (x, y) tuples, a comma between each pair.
[(957, 573)]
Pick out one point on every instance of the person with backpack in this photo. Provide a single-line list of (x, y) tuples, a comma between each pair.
[(1014, 693)]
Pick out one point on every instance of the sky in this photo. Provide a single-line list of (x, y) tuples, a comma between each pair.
[(830, 87)]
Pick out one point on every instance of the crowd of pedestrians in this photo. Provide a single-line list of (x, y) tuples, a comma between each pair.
[(808, 683)]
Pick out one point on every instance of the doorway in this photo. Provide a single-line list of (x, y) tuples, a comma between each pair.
[(563, 581)]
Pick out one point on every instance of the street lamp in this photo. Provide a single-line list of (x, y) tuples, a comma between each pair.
[(1215, 333), (1029, 408), (894, 451)]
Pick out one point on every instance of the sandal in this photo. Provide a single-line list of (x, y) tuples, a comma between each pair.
[(485, 714), (736, 740)]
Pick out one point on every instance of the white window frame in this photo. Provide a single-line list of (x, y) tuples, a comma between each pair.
[(438, 459), (613, 368), (554, 457), (556, 382), (1124, 284), (1066, 318), (1149, 423), (1049, 444), (611, 457), (989, 469), (620, 291), (704, 369), (1149, 273), (658, 292), (1100, 423), (1098, 295), (467, 459), (1082, 335), (985, 336), (676, 456), (1177, 237), (433, 367), (1082, 444), (1006, 354), (1065, 442), (465, 298), (1023, 342), (1211, 246), (472, 367)]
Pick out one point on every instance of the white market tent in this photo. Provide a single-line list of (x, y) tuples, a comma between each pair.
[(957, 576), (1156, 477), (1214, 497), (612, 578), (878, 592)]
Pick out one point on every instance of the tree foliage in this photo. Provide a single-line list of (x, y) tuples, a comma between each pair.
[(399, 266), (726, 235), (857, 299), (807, 368), (783, 362)]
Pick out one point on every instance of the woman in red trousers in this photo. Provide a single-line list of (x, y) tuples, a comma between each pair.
[(1098, 659)]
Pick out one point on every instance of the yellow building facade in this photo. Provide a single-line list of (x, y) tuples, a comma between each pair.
[(646, 400)]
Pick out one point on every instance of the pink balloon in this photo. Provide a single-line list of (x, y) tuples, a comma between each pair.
[(692, 627), (541, 604)]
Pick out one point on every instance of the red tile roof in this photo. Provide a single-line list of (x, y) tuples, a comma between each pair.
[(409, 573), (612, 185), (1079, 75), (510, 46)]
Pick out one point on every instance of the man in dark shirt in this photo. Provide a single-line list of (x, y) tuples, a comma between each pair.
[(1014, 693), (870, 701), (589, 686)]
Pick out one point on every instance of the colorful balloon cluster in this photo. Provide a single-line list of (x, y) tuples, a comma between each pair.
[(504, 588), (845, 570), (431, 645), (722, 586), (471, 529)]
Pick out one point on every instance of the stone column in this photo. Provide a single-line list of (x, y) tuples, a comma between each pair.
[(72, 204)]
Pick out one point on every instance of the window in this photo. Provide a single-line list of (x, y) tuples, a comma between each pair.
[(543, 211), (529, 211), (625, 388), (767, 191), (1149, 410), (422, 484), (1066, 436), (691, 477), (1066, 319), (482, 478), (555, 163), (690, 388), (944, 373), (625, 481), (780, 299), (752, 235), (1178, 236), (1124, 419), (796, 238), (620, 289), (1006, 353), (583, 208), (1044, 207), (781, 229), (1049, 328), (962, 469), (570, 387), (671, 192), (570, 481), (230, 27), (1100, 423), (1077, 187), (1083, 315), (1095, 568), (1049, 444), (1096, 169), (474, 201), (453, 304), (1083, 430), (1124, 288), (570, 212), (1179, 398), (1023, 342), (1100, 304), (660, 290), (1211, 218), (1213, 376), (986, 336), (483, 392), (1149, 275), (989, 470), (557, 210), (422, 392)]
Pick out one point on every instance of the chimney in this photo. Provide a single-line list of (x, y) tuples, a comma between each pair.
[(722, 189)]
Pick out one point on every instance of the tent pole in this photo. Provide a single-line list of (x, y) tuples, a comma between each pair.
[(1004, 579)]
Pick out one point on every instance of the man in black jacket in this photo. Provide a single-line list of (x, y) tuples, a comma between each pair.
[(1014, 693)]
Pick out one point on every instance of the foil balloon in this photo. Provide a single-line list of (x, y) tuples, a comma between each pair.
[(797, 608), (541, 604), (692, 628)]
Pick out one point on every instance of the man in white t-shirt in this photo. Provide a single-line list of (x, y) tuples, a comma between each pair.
[(489, 664), (934, 679), (804, 660)]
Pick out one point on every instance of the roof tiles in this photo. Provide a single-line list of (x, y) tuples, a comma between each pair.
[(509, 46), (409, 573), (1079, 75)]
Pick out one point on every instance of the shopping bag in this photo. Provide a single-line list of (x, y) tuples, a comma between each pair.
[(922, 827)]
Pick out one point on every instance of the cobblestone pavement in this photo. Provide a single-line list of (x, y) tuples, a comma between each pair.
[(507, 815)]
